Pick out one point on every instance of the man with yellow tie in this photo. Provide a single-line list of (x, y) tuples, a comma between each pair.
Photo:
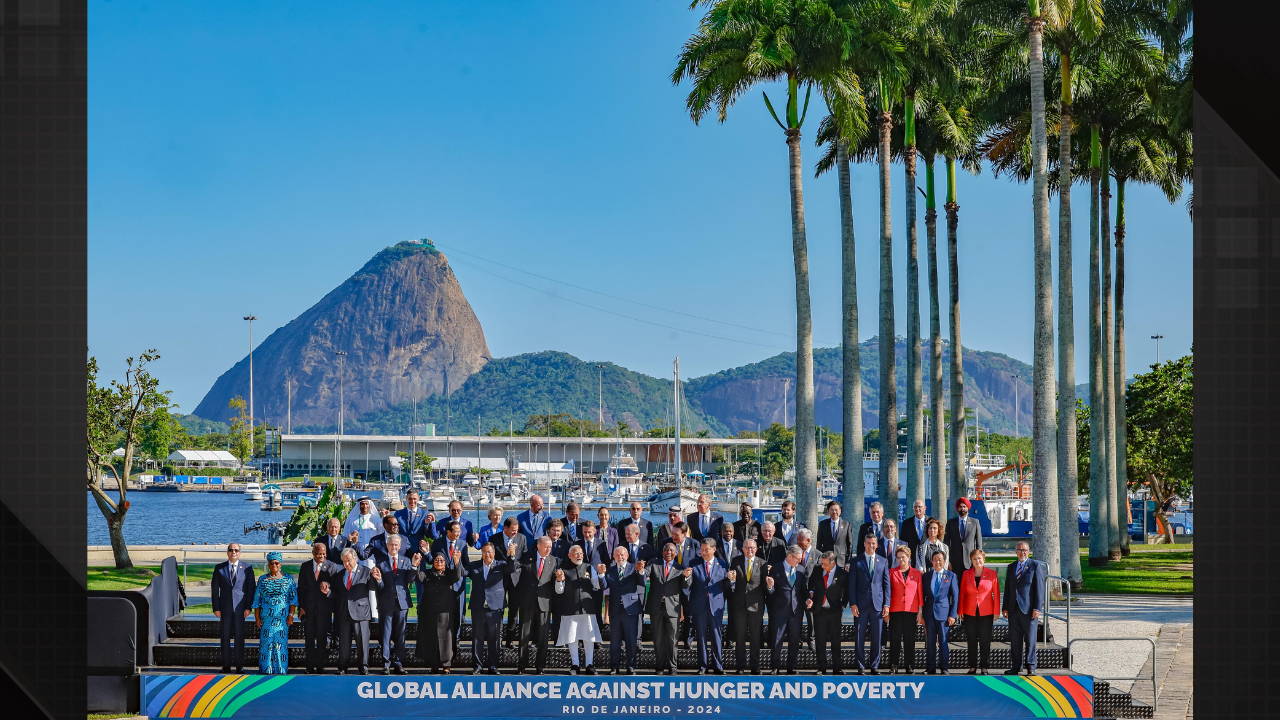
[(747, 602)]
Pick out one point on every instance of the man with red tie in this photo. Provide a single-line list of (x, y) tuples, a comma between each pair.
[(536, 594), (667, 583), (709, 581), (828, 594)]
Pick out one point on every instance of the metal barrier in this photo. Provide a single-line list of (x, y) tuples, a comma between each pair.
[(1044, 612), (1155, 691)]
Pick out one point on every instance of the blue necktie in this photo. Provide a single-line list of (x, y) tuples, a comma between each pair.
[(937, 582)]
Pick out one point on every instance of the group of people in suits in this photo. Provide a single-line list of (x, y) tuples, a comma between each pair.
[(559, 581)]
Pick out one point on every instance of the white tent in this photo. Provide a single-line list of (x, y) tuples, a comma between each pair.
[(203, 458)]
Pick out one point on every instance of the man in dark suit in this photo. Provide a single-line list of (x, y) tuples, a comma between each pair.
[(941, 610), (747, 603), (412, 520), (625, 581), (315, 606), (1023, 594), (835, 534), (728, 547), (572, 523), (376, 548), (449, 544), (746, 527), (232, 595), (667, 583), (788, 591), (469, 535), (334, 541), (771, 548), (874, 526), (869, 596), (511, 547), (533, 522), (962, 536), (705, 523), (686, 553), (787, 526), (889, 542), (637, 518), (810, 558), (559, 543), (488, 600), (536, 590), (399, 573), (710, 581), (913, 529), (828, 594), (351, 595), (606, 533), (637, 550), (594, 550)]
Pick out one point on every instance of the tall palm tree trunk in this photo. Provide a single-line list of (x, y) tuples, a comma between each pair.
[(956, 469), (887, 487), (805, 446), (1122, 469), (1044, 490), (915, 392), (937, 426), (1115, 512), (851, 394), (1099, 505), (1068, 520)]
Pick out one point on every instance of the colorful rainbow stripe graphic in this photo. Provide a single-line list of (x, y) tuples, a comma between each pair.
[(207, 696), (1058, 696)]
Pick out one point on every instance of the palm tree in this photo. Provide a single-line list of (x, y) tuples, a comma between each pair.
[(1100, 525), (738, 45)]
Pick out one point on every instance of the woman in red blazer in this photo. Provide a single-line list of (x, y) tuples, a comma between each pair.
[(906, 596), (979, 606)]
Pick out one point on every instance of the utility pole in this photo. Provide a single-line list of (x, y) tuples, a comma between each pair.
[(1153, 337), (676, 403), (251, 317)]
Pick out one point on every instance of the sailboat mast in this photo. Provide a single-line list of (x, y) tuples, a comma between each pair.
[(676, 403)]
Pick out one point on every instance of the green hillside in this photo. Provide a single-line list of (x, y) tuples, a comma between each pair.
[(507, 391)]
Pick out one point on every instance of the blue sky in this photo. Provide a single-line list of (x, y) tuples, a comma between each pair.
[(248, 157)]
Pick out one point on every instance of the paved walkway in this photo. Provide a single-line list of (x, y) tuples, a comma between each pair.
[(1174, 671), (1100, 616)]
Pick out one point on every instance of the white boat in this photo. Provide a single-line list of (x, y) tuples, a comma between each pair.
[(439, 497), (470, 479), (252, 491), (390, 500), (660, 503), (272, 497)]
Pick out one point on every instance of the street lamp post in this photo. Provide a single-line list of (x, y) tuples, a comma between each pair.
[(1153, 337), (342, 379), (250, 317)]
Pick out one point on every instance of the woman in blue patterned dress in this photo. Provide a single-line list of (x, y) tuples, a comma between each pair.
[(274, 603)]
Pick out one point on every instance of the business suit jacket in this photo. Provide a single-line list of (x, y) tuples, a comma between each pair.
[(533, 526), (693, 520), (790, 536), (646, 529), (907, 531), (665, 592), (493, 590), (773, 552), (982, 598), (869, 587), (310, 598), (395, 585), (726, 554), (560, 549), (661, 536), (707, 592), (744, 530), (538, 590), (576, 535), (599, 552), (811, 560), (466, 528), (609, 534), (961, 541), (839, 540), (686, 552), (334, 545), (748, 595), (514, 562), (414, 525), (890, 554), (626, 590), (836, 592), (376, 548), (642, 551), (946, 603), (1026, 592), (905, 595), (353, 603), (785, 600), (866, 528), (231, 598)]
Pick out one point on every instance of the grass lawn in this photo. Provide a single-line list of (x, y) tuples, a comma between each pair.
[(1149, 570)]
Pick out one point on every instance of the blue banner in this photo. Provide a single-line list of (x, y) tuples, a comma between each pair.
[(915, 696)]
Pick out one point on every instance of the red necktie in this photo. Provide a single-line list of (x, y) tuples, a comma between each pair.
[(708, 572), (826, 579), (349, 575), (540, 562), (393, 564), (317, 570), (666, 573)]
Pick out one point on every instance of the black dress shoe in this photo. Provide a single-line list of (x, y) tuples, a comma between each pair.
[(342, 672), (573, 669), (493, 671), (702, 671), (930, 672), (630, 671), (973, 671), (1031, 671), (983, 671), (398, 670), (364, 669), (1012, 671), (859, 671), (874, 671), (837, 672), (226, 669), (536, 671), (893, 670), (591, 670)]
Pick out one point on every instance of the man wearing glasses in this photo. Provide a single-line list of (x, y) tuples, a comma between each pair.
[(233, 589)]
